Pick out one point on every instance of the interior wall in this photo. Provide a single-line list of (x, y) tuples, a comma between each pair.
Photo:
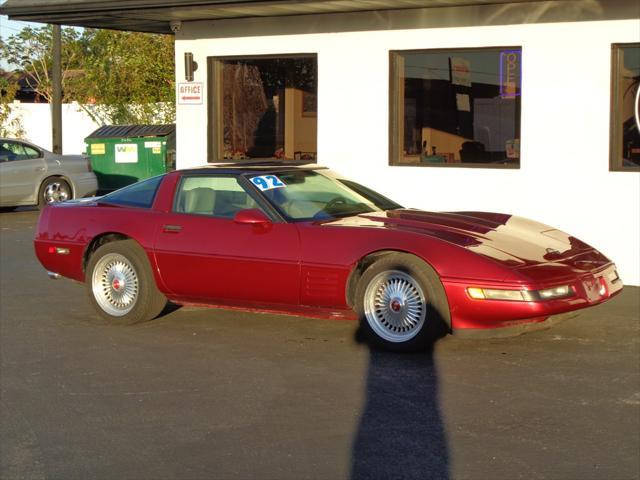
[(563, 179)]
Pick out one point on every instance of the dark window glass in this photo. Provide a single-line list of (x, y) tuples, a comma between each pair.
[(265, 107), (10, 151), (140, 194), (625, 108), (217, 196), (31, 152), (456, 108)]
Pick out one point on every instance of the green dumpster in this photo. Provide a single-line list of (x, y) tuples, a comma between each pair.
[(123, 154)]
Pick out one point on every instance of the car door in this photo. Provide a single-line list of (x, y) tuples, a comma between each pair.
[(21, 170), (204, 255)]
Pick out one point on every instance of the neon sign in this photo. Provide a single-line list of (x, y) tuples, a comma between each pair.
[(510, 73)]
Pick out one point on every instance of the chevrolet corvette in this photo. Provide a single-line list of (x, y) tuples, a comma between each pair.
[(303, 240)]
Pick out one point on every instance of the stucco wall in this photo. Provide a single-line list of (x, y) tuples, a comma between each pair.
[(564, 178)]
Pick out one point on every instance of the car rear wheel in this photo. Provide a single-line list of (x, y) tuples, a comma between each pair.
[(120, 283), (401, 303), (53, 190)]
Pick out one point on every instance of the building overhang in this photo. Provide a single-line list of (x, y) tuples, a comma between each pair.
[(155, 15)]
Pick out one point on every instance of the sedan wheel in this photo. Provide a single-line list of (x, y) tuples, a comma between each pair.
[(54, 190)]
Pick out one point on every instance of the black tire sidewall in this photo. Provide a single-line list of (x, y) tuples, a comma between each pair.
[(437, 323), (150, 301)]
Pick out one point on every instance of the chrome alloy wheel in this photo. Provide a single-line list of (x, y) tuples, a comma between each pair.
[(56, 192), (395, 306), (115, 284)]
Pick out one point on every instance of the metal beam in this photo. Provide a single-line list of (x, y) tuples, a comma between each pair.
[(56, 80)]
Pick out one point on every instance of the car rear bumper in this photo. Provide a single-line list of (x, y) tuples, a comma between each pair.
[(84, 185), (467, 313)]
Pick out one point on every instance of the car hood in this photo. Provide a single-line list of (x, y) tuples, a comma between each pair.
[(513, 241)]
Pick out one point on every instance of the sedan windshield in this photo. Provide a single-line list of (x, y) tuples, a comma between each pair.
[(310, 195)]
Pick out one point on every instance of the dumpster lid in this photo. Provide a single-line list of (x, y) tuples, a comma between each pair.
[(122, 131)]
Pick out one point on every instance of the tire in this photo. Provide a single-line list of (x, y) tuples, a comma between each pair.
[(53, 190), (120, 284), (402, 304)]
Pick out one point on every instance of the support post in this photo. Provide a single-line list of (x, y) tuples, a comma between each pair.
[(56, 102)]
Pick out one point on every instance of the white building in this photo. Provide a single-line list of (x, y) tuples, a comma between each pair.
[(525, 108)]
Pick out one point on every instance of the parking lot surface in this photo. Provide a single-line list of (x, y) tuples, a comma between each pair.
[(203, 393)]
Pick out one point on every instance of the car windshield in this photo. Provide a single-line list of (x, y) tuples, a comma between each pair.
[(309, 195)]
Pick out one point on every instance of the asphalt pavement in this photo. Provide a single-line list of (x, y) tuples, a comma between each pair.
[(225, 394)]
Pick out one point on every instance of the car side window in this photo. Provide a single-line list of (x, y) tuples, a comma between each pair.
[(140, 194), (215, 195), (31, 152), (11, 151)]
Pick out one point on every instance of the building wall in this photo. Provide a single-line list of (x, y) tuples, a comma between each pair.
[(564, 178)]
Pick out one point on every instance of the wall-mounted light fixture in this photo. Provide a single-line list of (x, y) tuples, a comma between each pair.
[(189, 66)]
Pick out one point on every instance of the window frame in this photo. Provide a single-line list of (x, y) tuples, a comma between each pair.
[(395, 100), (615, 149), (215, 114)]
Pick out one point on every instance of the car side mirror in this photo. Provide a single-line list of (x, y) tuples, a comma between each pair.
[(252, 216)]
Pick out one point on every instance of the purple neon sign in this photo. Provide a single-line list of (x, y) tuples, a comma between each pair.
[(510, 69)]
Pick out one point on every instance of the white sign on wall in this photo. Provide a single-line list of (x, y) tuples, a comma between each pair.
[(126, 153), (190, 93)]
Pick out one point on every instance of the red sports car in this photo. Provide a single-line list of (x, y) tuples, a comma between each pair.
[(301, 239)]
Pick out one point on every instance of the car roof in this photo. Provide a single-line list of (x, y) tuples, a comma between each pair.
[(239, 168)]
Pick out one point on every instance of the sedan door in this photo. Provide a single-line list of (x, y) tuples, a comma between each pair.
[(204, 255), (21, 171)]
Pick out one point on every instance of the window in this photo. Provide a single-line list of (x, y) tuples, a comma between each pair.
[(140, 194), (456, 107), (307, 195), (10, 151), (625, 108), (217, 196), (263, 108)]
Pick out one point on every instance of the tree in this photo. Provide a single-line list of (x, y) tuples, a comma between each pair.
[(116, 77), (30, 51), (129, 77), (10, 125)]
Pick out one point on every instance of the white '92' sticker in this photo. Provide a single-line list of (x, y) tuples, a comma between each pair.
[(267, 182)]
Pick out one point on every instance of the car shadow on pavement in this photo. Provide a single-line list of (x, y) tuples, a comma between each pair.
[(401, 434)]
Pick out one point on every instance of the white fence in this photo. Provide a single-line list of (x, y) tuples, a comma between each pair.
[(36, 122)]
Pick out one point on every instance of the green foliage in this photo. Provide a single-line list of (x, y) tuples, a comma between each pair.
[(116, 77), (129, 77), (10, 125), (30, 51)]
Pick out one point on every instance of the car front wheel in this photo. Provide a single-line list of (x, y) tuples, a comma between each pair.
[(120, 283), (401, 303)]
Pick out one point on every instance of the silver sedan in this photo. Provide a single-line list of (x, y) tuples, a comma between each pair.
[(30, 175)]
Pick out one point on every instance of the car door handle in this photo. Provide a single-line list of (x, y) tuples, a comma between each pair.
[(39, 169), (171, 228)]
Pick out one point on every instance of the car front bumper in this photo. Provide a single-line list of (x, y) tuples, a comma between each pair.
[(467, 313)]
